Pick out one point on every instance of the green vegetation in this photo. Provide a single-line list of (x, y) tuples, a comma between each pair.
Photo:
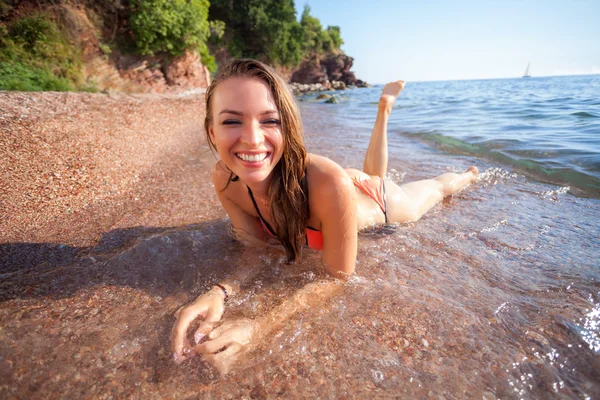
[(36, 55), (169, 26), (262, 29), (316, 40), (268, 30)]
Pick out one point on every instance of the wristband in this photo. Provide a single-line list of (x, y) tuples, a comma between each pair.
[(223, 289)]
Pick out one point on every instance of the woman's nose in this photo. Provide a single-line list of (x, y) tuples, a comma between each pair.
[(253, 134)]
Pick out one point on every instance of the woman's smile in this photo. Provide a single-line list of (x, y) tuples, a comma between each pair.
[(252, 157)]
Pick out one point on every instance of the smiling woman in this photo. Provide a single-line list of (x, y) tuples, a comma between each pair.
[(270, 186)]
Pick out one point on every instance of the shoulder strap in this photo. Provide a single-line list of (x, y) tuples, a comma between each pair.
[(269, 228)]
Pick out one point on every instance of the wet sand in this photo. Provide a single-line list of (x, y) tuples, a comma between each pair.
[(491, 295)]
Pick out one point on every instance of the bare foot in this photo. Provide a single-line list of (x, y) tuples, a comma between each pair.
[(474, 172), (390, 93)]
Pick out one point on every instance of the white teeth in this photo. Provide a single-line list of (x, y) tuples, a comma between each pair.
[(252, 157)]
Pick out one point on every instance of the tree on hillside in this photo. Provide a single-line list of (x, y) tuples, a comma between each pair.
[(335, 35), (170, 26), (263, 29), (316, 40)]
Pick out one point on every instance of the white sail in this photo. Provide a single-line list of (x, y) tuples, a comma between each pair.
[(527, 74)]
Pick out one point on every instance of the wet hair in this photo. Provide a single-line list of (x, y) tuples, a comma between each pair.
[(288, 192)]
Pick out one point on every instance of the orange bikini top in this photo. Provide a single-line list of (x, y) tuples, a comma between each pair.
[(314, 237)]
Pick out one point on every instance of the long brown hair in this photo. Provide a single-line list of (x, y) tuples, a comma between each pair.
[(288, 192)]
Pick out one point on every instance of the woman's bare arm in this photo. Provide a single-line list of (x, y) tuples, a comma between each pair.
[(210, 305), (333, 201)]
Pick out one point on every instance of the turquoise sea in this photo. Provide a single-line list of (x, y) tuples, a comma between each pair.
[(545, 128)]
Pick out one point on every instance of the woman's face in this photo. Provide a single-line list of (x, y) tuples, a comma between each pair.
[(246, 128)]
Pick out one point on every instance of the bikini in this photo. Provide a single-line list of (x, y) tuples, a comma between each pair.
[(314, 237), (375, 190)]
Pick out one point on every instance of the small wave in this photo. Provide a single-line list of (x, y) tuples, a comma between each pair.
[(560, 100), (590, 328), (553, 171), (584, 114), (536, 116)]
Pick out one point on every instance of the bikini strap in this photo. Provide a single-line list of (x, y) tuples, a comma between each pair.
[(269, 228)]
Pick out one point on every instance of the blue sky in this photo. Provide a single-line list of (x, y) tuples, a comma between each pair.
[(465, 39)]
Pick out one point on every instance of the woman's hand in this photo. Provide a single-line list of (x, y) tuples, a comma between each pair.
[(228, 342), (209, 307)]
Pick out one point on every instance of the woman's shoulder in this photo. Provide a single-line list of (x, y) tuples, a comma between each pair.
[(330, 189), (327, 181), (323, 171)]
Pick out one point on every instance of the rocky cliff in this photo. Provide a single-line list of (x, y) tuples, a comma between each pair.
[(327, 71)]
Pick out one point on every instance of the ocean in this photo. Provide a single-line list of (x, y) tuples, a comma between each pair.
[(545, 128)]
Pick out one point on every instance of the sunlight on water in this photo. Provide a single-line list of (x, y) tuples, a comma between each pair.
[(590, 330)]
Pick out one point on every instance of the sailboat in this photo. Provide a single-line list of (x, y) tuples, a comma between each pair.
[(527, 74)]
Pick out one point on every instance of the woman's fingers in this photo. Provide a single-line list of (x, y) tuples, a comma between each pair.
[(179, 343), (204, 329), (218, 331), (214, 345), (225, 360), (212, 317)]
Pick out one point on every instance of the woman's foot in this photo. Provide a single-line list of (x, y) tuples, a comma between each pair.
[(473, 171), (390, 93), (454, 182)]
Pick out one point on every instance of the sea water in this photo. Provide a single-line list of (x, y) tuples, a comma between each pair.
[(494, 293), (547, 128)]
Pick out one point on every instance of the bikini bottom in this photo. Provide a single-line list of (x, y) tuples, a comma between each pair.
[(374, 187)]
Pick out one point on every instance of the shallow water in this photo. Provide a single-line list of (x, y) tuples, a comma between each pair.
[(495, 293)]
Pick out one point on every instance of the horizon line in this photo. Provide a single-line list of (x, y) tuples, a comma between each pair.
[(498, 78)]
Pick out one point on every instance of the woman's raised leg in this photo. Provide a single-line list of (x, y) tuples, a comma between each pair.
[(377, 154)]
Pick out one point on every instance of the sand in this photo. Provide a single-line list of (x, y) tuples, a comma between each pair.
[(73, 166), (109, 223)]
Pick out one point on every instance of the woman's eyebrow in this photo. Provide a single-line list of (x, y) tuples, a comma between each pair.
[(234, 112), (231, 112)]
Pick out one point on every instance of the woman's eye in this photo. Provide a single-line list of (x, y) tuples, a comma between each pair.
[(272, 121), (230, 122)]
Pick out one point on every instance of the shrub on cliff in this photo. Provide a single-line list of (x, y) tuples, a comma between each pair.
[(170, 26), (318, 41), (262, 29), (35, 54), (269, 30)]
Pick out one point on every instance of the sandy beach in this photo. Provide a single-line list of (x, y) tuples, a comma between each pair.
[(74, 166), (109, 223)]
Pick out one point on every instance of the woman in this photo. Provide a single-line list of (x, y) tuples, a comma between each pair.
[(271, 187)]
